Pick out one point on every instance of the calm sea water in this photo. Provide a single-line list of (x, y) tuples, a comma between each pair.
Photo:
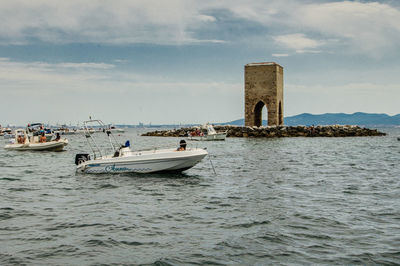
[(272, 201)]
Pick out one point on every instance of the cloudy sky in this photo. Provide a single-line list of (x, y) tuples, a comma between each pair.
[(181, 61)]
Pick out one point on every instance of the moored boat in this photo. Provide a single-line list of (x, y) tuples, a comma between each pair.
[(7, 133), (112, 128), (24, 142), (209, 135), (122, 159), (65, 130)]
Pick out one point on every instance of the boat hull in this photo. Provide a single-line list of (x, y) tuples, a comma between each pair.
[(213, 137), (145, 162), (47, 146)]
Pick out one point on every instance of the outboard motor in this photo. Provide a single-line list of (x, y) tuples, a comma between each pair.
[(81, 157)]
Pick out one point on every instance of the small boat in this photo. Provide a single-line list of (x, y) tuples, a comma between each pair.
[(122, 159), (24, 142), (65, 130), (209, 135), (7, 133), (112, 128)]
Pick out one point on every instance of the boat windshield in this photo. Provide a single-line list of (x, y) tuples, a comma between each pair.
[(211, 130)]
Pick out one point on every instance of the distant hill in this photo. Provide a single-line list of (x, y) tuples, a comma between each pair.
[(361, 119)]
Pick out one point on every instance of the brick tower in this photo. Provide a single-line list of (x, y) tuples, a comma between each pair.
[(263, 86)]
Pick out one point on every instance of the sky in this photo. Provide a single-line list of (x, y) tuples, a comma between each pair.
[(182, 61)]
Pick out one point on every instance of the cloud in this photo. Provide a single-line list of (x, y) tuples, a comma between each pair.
[(371, 28), (41, 76), (298, 42), (72, 91), (368, 27), (116, 22)]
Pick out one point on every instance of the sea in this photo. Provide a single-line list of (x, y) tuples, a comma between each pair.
[(282, 201)]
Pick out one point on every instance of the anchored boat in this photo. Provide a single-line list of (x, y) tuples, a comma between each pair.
[(121, 159), (210, 134), (24, 142)]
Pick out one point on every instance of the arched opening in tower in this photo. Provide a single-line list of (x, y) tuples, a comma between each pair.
[(259, 113)]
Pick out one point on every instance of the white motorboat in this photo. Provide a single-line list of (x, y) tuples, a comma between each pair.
[(6, 133), (64, 130), (210, 135), (123, 160), (24, 142), (112, 128)]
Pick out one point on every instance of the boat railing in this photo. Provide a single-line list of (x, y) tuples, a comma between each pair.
[(96, 147), (154, 149)]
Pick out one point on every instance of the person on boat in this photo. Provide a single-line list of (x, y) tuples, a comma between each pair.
[(42, 138), (57, 137), (182, 145), (19, 139)]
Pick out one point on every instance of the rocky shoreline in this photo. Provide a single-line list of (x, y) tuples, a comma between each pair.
[(278, 131)]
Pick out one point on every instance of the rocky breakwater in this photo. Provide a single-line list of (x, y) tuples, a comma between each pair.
[(278, 131)]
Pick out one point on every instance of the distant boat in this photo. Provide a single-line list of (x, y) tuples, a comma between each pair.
[(6, 133), (24, 142), (210, 135), (112, 128), (65, 130)]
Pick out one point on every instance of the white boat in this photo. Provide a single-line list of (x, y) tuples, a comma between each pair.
[(6, 133), (64, 130), (123, 160), (210, 135), (112, 128), (24, 142)]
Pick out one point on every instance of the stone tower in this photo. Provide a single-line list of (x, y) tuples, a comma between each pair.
[(263, 86)]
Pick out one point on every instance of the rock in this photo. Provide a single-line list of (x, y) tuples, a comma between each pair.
[(279, 131)]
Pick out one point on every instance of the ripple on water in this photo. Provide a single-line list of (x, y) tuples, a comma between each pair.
[(287, 201), (9, 179), (62, 226), (20, 189), (10, 213)]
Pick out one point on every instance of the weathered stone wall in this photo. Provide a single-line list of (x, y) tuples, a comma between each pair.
[(278, 131), (263, 86)]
